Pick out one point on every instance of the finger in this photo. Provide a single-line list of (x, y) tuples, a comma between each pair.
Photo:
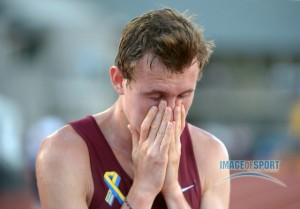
[(177, 119), (173, 135), (165, 144), (161, 131), (146, 124), (176, 139), (183, 116), (157, 121)]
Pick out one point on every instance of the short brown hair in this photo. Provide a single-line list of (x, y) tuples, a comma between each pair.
[(171, 37)]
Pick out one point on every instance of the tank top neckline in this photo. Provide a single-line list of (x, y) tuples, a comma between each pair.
[(104, 162), (117, 163)]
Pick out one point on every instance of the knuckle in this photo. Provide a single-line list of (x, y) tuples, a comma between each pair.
[(154, 125), (160, 134), (179, 125), (144, 126), (183, 125), (150, 154)]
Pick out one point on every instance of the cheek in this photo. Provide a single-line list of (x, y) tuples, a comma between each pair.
[(138, 114)]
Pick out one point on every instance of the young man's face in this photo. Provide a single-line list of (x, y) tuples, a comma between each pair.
[(151, 85)]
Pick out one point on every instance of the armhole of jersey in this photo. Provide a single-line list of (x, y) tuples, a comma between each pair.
[(85, 128), (191, 147), (193, 158)]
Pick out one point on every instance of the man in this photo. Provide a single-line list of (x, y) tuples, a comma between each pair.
[(140, 153)]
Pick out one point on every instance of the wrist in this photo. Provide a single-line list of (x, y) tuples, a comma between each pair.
[(175, 198), (139, 195), (127, 203), (140, 201), (147, 187), (171, 189)]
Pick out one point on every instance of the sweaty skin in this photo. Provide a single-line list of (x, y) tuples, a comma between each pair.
[(154, 106)]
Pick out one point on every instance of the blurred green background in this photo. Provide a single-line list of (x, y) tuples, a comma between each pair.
[(54, 68)]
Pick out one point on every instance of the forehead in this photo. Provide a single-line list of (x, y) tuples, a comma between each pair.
[(151, 73)]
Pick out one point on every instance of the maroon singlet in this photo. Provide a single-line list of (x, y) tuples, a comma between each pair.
[(104, 162)]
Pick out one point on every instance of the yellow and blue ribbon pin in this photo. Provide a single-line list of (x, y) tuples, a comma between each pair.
[(112, 180)]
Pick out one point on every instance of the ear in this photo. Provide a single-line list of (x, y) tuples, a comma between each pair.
[(116, 78)]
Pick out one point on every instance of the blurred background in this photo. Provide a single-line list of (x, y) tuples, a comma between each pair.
[(55, 57)]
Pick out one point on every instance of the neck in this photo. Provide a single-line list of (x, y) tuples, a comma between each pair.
[(113, 124)]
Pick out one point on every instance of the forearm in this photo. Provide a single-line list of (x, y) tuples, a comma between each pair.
[(137, 198), (137, 202), (176, 200)]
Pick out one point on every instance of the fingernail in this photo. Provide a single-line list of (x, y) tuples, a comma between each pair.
[(168, 109), (153, 108), (176, 110), (162, 103)]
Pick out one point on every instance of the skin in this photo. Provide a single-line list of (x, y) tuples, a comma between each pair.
[(149, 116)]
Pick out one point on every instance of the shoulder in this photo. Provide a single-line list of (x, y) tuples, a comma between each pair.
[(207, 143), (62, 163), (65, 143), (209, 151)]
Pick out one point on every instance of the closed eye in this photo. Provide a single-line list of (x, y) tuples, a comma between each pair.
[(184, 95), (156, 98), (158, 95)]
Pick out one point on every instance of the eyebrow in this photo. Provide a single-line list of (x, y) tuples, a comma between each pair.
[(155, 91)]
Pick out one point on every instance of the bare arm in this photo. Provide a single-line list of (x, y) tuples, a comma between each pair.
[(217, 191), (60, 164), (209, 151)]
